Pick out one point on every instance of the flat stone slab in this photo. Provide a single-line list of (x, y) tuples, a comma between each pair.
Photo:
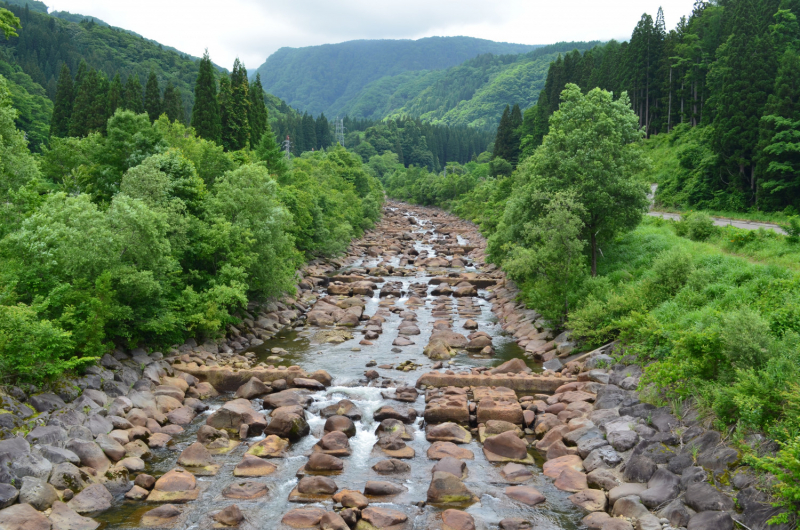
[(526, 384)]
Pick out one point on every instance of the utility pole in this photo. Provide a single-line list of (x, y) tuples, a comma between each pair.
[(339, 131), (287, 145)]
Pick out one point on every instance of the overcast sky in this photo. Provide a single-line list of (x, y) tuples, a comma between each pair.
[(253, 29)]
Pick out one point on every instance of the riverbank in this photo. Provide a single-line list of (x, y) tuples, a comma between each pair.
[(403, 387)]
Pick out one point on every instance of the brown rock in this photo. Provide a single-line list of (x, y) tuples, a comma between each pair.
[(448, 432), (391, 466), (447, 489), (23, 517), (332, 521), (571, 480), (342, 424), (137, 493), (252, 466), (525, 495), (506, 445), (316, 486), (303, 518), (94, 498), (270, 447), (145, 481), (63, 517), (351, 499), (163, 516), (252, 389), (553, 468), (383, 517), (176, 485), (590, 500), (439, 450), (451, 465), (230, 516), (334, 443), (245, 490), (516, 473), (324, 462), (379, 488), (457, 520), (196, 455)]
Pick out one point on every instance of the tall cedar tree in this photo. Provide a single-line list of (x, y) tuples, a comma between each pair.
[(269, 152), (309, 133), (235, 125), (85, 93), (173, 103), (516, 130), (503, 144), (258, 111), (133, 94), (116, 95), (206, 111), (98, 111), (62, 110), (323, 132), (224, 97), (152, 97), (746, 77)]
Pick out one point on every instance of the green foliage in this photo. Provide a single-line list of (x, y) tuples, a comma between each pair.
[(785, 466), (697, 226), (9, 24), (293, 74)]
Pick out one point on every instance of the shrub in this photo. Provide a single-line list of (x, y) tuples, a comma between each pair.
[(697, 226), (786, 468)]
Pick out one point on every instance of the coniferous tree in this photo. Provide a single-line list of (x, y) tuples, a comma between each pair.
[(116, 95), (236, 128), (62, 109), (227, 138), (309, 133), (516, 126), (173, 103), (323, 132), (206, 118), (133, 94), (503, 147), (82, 119), (83, 69), (98, 111), (258, 110), (152, 97), (269, 152)]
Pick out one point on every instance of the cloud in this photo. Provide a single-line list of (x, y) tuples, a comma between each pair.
[(253, 29)]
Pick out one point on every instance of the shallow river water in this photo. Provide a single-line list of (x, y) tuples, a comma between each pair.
[(346, 364)]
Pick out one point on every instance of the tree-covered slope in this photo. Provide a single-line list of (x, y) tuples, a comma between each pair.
[(327, 78), (476, 92)]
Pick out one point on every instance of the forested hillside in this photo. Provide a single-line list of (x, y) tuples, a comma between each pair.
[(725, 81), (327, 78)]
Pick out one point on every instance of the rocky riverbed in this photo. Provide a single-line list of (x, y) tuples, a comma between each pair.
[(403, 387)]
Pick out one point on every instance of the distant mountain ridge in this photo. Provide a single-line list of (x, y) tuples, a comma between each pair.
[(326, 78)]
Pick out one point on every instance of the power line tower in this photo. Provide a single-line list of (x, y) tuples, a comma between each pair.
[(339, 131), (287, 146)]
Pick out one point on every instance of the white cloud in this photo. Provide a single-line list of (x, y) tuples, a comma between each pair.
[(253, 29)]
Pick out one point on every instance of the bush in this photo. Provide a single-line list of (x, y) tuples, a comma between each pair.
[(32, 349), (786, 468), (697, 226)]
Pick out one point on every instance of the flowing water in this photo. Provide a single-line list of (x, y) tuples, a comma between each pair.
[(346, 363)]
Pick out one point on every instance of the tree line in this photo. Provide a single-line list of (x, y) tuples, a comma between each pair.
[(730, 70)]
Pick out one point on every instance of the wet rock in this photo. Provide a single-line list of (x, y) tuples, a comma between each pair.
[(515, 523), (571, 480), (351, 499), (235, 413), (197, 456), (506, 445), (94, 498), (344, 407), (137, 493), (245, 490), (252, 389), (316, 486), (303, 518), (457, 520), (23, 517), (62, 517), (270, 447), (161, 517), (334, 443), (389, 412), (447, 432), (288, 398), (378, 488), (448, 489), (145, 481), (451, 465), (525, 495), (590, 500), (554, 468), (391, 466), (37, 493), (332, 521), (439, 450), (230, 516), (516, 473), (288, 425), (252, 466), (383, 517), (175, 486), (340, 423), (321, 462)]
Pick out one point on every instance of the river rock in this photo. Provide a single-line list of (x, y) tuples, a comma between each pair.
[(391, 466), (254, 388), (68, 476), (235, 413), (63, 517), (175, 486), (351, 499), (340, 423), (287, 398), (383, 517), (94, 498), (334, 443), (321, 462), (8, 495), (704, 497), (451, 465), (379, 488), (515, 523), (448, 432), (303, 517), (662, 487), (270, 447), (448, 489), (90, 453), (505, 446), (23, 517), (709, 520), (344, 407), (252, 466), (525, 495), (37, 493), (162, 517), (245, 490), (571, 480), (230, 516), (590, 500), (387, 412), (31, 465), (439, 450)]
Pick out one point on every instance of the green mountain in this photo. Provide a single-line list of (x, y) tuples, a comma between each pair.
[(476, 92), (327, 78)]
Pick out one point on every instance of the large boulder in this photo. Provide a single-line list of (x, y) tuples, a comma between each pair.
[(340, 423), (448, 432), (662, 487), (287, 425), (65, 518), (23, 517), (448, 489), (506, 445), (37, 493), (252, 389), (91, 454), (68, 476), (525, 495), (704, 497), (94, 498), (235, 413), (383, 517)]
